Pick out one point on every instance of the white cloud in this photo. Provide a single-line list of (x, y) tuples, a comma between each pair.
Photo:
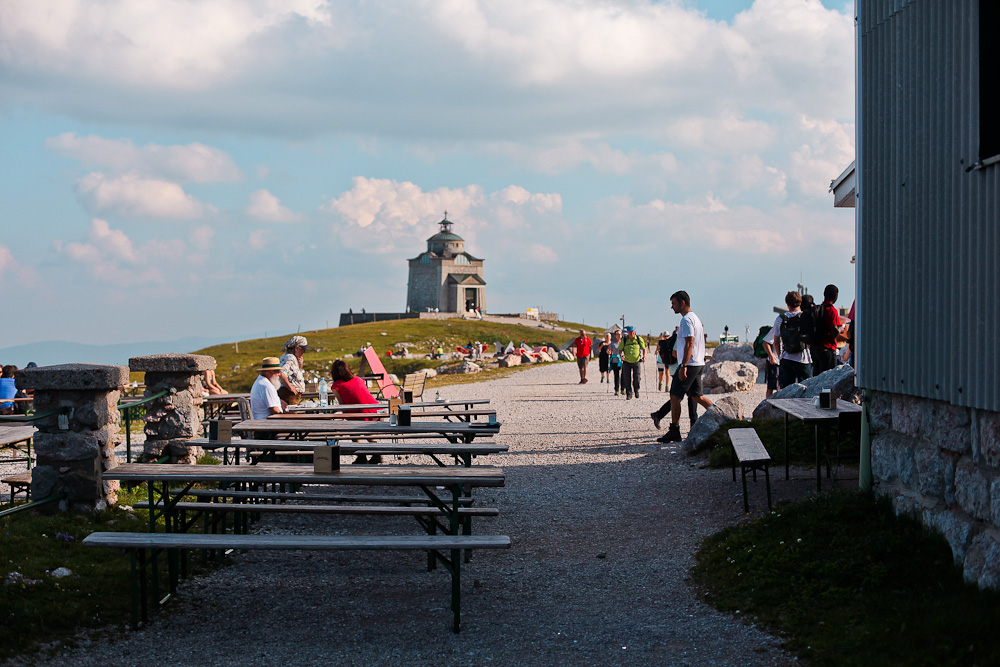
[(386, 216), (6, 259), (110, 256), (193, 162), (11, 269), (133, 196), (266, 207), (258, 239)]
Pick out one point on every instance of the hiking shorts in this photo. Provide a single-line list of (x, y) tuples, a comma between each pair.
[(581, 362), (689, 386), (771, 376)]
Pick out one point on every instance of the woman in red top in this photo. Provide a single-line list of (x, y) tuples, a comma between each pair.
[(350, 389)]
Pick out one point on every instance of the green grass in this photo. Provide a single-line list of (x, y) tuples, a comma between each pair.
[(236, 370), (95, 598), (801, 442), (847, 582)]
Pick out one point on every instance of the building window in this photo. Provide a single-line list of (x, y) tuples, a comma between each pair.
[(989, 80), (425, 258), (461, 259)]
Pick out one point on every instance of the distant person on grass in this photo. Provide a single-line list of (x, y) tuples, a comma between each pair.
[(352, 390), (690, 352), (264, 399), (582, 344)]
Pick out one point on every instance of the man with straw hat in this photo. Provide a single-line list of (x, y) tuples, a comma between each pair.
[(264, 399)]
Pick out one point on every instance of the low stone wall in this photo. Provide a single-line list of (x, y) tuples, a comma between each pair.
[(941, 463)]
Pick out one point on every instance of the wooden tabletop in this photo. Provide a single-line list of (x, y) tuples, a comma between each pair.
[(352, 447), (806, 410), (339, 407), (382, 414), (223, 398), (307, 426), (11, 435), (268, 473)]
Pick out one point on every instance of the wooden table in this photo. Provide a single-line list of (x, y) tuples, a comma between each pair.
[(305, 429), (13, 437), (462, 452), (464, 415), (381, 405), (805, 410)]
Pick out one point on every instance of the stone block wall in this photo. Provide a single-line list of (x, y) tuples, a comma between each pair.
[(941, 462)]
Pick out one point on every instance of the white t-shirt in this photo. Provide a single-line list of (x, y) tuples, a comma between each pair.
[(691, 327), (802, 357), (263, 397)]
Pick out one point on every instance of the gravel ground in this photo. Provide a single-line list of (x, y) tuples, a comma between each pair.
[(604, 523)]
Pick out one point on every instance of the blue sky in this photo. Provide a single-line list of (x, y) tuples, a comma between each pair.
[(220, 167)]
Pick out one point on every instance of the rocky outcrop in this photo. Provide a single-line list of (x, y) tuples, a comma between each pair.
[(722, 411), (730, 376), (508, 360)]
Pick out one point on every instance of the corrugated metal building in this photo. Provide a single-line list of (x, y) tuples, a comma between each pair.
[(927, 181), (929, 234)]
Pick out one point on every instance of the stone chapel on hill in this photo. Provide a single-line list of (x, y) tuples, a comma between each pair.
[(445, 278)]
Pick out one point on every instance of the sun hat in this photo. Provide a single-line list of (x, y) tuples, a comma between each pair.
[(297, 341), (629, 329), (270, 364)]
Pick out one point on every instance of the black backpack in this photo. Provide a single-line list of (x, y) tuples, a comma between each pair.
[(792, 339), (807, 326), (758, 342)]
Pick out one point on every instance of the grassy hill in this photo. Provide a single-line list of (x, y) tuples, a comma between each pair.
[(237, 362)]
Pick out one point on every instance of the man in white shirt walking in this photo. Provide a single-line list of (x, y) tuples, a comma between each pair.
[(690, 351)]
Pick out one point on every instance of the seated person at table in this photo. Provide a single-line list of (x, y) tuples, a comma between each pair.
[(352, 390), (292, 378), (211, 384), (7, 390), (264, 399)]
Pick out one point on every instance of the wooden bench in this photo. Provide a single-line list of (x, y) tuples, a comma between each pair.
[(275, 496), (20, 483), (137, 544), (752, 456)]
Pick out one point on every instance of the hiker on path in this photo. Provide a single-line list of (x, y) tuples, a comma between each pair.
[(827, 319), (615, 359), (603, 357), (664, 360), (582, 343), (690, 352), (633, 349), (788, 347)]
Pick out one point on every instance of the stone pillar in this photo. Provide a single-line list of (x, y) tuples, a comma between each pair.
[(175, 418), (74, 449)]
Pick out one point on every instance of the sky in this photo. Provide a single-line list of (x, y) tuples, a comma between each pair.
[(236, 167)]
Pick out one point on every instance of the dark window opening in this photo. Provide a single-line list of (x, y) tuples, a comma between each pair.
[(989, 79)]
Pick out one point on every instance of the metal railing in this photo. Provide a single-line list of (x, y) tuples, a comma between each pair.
[(131, 411)]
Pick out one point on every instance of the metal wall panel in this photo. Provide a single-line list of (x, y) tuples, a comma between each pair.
[(929, 219)]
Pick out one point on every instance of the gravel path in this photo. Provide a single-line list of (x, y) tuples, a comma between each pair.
[(604, 524)]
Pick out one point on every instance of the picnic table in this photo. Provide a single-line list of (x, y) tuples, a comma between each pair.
[(306, 429), (14, 437), (163, 500), (463, 453), (381, 405), (806, 411), (464, 415)]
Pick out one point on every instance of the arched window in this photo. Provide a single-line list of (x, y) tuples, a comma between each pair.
[(461, 259)]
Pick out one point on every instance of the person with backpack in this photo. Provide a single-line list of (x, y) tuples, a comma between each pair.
[(762, 349), (827, 322), (633, 349), (615, 359), (792, 355)]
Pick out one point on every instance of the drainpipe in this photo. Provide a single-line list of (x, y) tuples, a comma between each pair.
[(865, 466)]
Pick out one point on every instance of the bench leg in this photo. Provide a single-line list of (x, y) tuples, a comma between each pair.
[(746, 503), (456, 589), (767, 477)]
